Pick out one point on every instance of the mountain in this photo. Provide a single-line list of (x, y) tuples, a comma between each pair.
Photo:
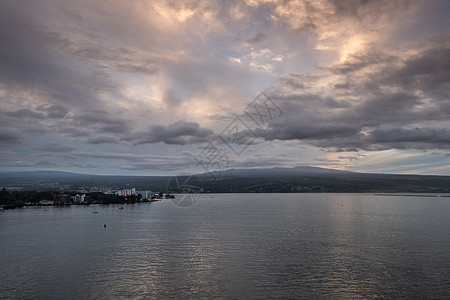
[(270, 180), (277, 172)]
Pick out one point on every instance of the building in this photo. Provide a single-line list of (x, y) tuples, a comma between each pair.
[(80, 199), (126, 192)]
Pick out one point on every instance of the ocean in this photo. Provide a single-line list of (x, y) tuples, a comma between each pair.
[(232, 246)]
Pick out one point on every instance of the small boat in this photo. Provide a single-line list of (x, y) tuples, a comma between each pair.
[(95, 212), (121, 207), (2, 209)]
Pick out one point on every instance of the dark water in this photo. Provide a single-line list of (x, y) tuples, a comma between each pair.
[(231, 246)]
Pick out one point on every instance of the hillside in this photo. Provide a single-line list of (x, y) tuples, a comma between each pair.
[(297, 179)]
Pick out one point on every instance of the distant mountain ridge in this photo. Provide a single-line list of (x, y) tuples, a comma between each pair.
[(268, 180), (277, 171), (230, 172)]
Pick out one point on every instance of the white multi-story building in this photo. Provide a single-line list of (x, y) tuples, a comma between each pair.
[(80, 198), (126, 192)]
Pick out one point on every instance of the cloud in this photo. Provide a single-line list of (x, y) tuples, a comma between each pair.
[(54, 147), (168, 165), (101, 121), (9, 137), (353, 75), (350, 158), (120, 59), (179, 133), (26, 114), (102, 140), (387, 102), (427, 71), (55, 111), (402, 138), (140, 162), (29, 63), (304, 131), (260, 37), (45, 163), (262, 60)]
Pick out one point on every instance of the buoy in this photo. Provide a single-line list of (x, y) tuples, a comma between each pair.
[(104, 226)]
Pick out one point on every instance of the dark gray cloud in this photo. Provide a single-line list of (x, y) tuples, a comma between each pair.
[(307, 131), (73, 132), (402, 138), (16, 124), (101, 121), (55, 111), (384, 139), (428, 72), (40, 113), (9, 137), (168, 165), (121, 59), (29, 63), (179, 133), (45, 163), (129, 157), (258, 38), (26, 114), (102, 140), (54, 147)]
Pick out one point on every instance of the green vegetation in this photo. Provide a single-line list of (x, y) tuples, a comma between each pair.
[(18, 199)]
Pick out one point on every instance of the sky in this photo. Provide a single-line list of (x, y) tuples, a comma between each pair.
[(178, 87)]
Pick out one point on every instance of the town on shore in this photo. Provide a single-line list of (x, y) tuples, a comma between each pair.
[(17, 199)]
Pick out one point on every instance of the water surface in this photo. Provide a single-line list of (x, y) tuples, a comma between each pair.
[(231, 246)]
